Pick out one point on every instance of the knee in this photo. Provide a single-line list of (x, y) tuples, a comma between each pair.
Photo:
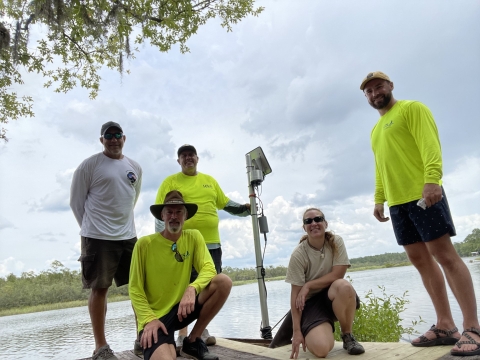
[(420, 259), (343, 287), (320, 350), (99, 293), (444, 252), (447, 260), (222, 283)]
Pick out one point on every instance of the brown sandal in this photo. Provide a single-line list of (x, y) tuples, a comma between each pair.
[(470, 341), (448, 339)]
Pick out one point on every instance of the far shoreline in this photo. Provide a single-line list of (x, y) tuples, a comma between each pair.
[(79, 303)]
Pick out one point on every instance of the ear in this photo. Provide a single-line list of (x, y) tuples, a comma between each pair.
[(178, 161), (101, 139), (326, 224), (391, 85), (124, 138), (303, 227)]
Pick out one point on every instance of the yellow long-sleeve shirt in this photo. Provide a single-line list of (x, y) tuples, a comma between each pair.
[(407, 152), (203, 190), (158, 281)]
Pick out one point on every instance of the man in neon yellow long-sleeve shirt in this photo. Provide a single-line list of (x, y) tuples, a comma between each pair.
[(162, 295), (203, 190), (408, 167)]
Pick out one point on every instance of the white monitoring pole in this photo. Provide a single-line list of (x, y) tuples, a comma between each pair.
[(257, 168)]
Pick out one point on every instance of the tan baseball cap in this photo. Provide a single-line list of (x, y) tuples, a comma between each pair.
[(373, 75)]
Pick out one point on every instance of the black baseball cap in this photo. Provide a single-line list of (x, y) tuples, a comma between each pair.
[(108, 125), (185, 148)]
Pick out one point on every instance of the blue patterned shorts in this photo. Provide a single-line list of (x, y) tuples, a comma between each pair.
[(412, 224)]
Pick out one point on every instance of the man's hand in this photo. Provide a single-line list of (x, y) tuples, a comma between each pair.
[(301, 297), (432, 193), (150, 331), (296, 341), (379, 213), (187, 304)]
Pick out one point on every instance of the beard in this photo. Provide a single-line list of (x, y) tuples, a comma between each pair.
[(386, 100), (174, 227)]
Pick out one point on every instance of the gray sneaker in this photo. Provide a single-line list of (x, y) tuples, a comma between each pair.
[(352, 346), (179, 343), (104, 353), (137, 348), (207, 338)]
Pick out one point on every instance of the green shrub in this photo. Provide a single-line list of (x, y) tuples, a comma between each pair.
[(378, 319)]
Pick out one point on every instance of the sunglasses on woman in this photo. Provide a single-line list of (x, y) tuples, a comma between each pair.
[(317, 219)]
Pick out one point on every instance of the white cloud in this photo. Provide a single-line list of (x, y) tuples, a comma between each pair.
[(5, 223), (286, 81), (11, 266)]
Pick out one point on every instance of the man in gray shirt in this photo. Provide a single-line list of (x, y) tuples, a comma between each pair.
[(105, 188)]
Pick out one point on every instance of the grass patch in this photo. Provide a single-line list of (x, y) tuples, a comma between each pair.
[(246, 282), (378, 319), (56, 306)]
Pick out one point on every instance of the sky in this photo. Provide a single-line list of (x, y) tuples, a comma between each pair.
[(287, 81)]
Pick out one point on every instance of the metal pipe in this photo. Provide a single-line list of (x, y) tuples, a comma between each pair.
[(266, 330)]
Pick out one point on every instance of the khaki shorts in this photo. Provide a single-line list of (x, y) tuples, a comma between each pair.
[(105, 260)]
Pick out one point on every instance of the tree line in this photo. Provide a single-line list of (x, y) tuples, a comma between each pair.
[(60, 284), (469, 245), (55, 285)]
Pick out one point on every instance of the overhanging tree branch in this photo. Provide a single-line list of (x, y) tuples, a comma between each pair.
[(77, 46), (83, 35)]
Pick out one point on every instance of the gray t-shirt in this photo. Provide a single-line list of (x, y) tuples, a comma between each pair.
[(306, 263), (102, 197)]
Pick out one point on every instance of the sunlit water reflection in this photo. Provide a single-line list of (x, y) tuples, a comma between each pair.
[(67, 333)]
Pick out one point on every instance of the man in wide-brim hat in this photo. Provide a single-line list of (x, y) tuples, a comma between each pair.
[(162, 295)]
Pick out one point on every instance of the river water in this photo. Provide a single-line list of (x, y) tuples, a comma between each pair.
[(67, 333)]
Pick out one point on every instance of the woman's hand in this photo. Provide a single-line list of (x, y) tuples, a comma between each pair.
[(301, 297), (296, 341)]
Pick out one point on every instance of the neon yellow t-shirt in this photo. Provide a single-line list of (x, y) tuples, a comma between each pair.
[(407, 153), (158, 281), (203, 190)]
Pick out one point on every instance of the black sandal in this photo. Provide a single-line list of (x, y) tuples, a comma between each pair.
[(449, 339), (470, 341)]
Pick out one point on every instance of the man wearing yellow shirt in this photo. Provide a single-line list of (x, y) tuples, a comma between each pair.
[(203, 190), (162, 296), (408, 171)]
